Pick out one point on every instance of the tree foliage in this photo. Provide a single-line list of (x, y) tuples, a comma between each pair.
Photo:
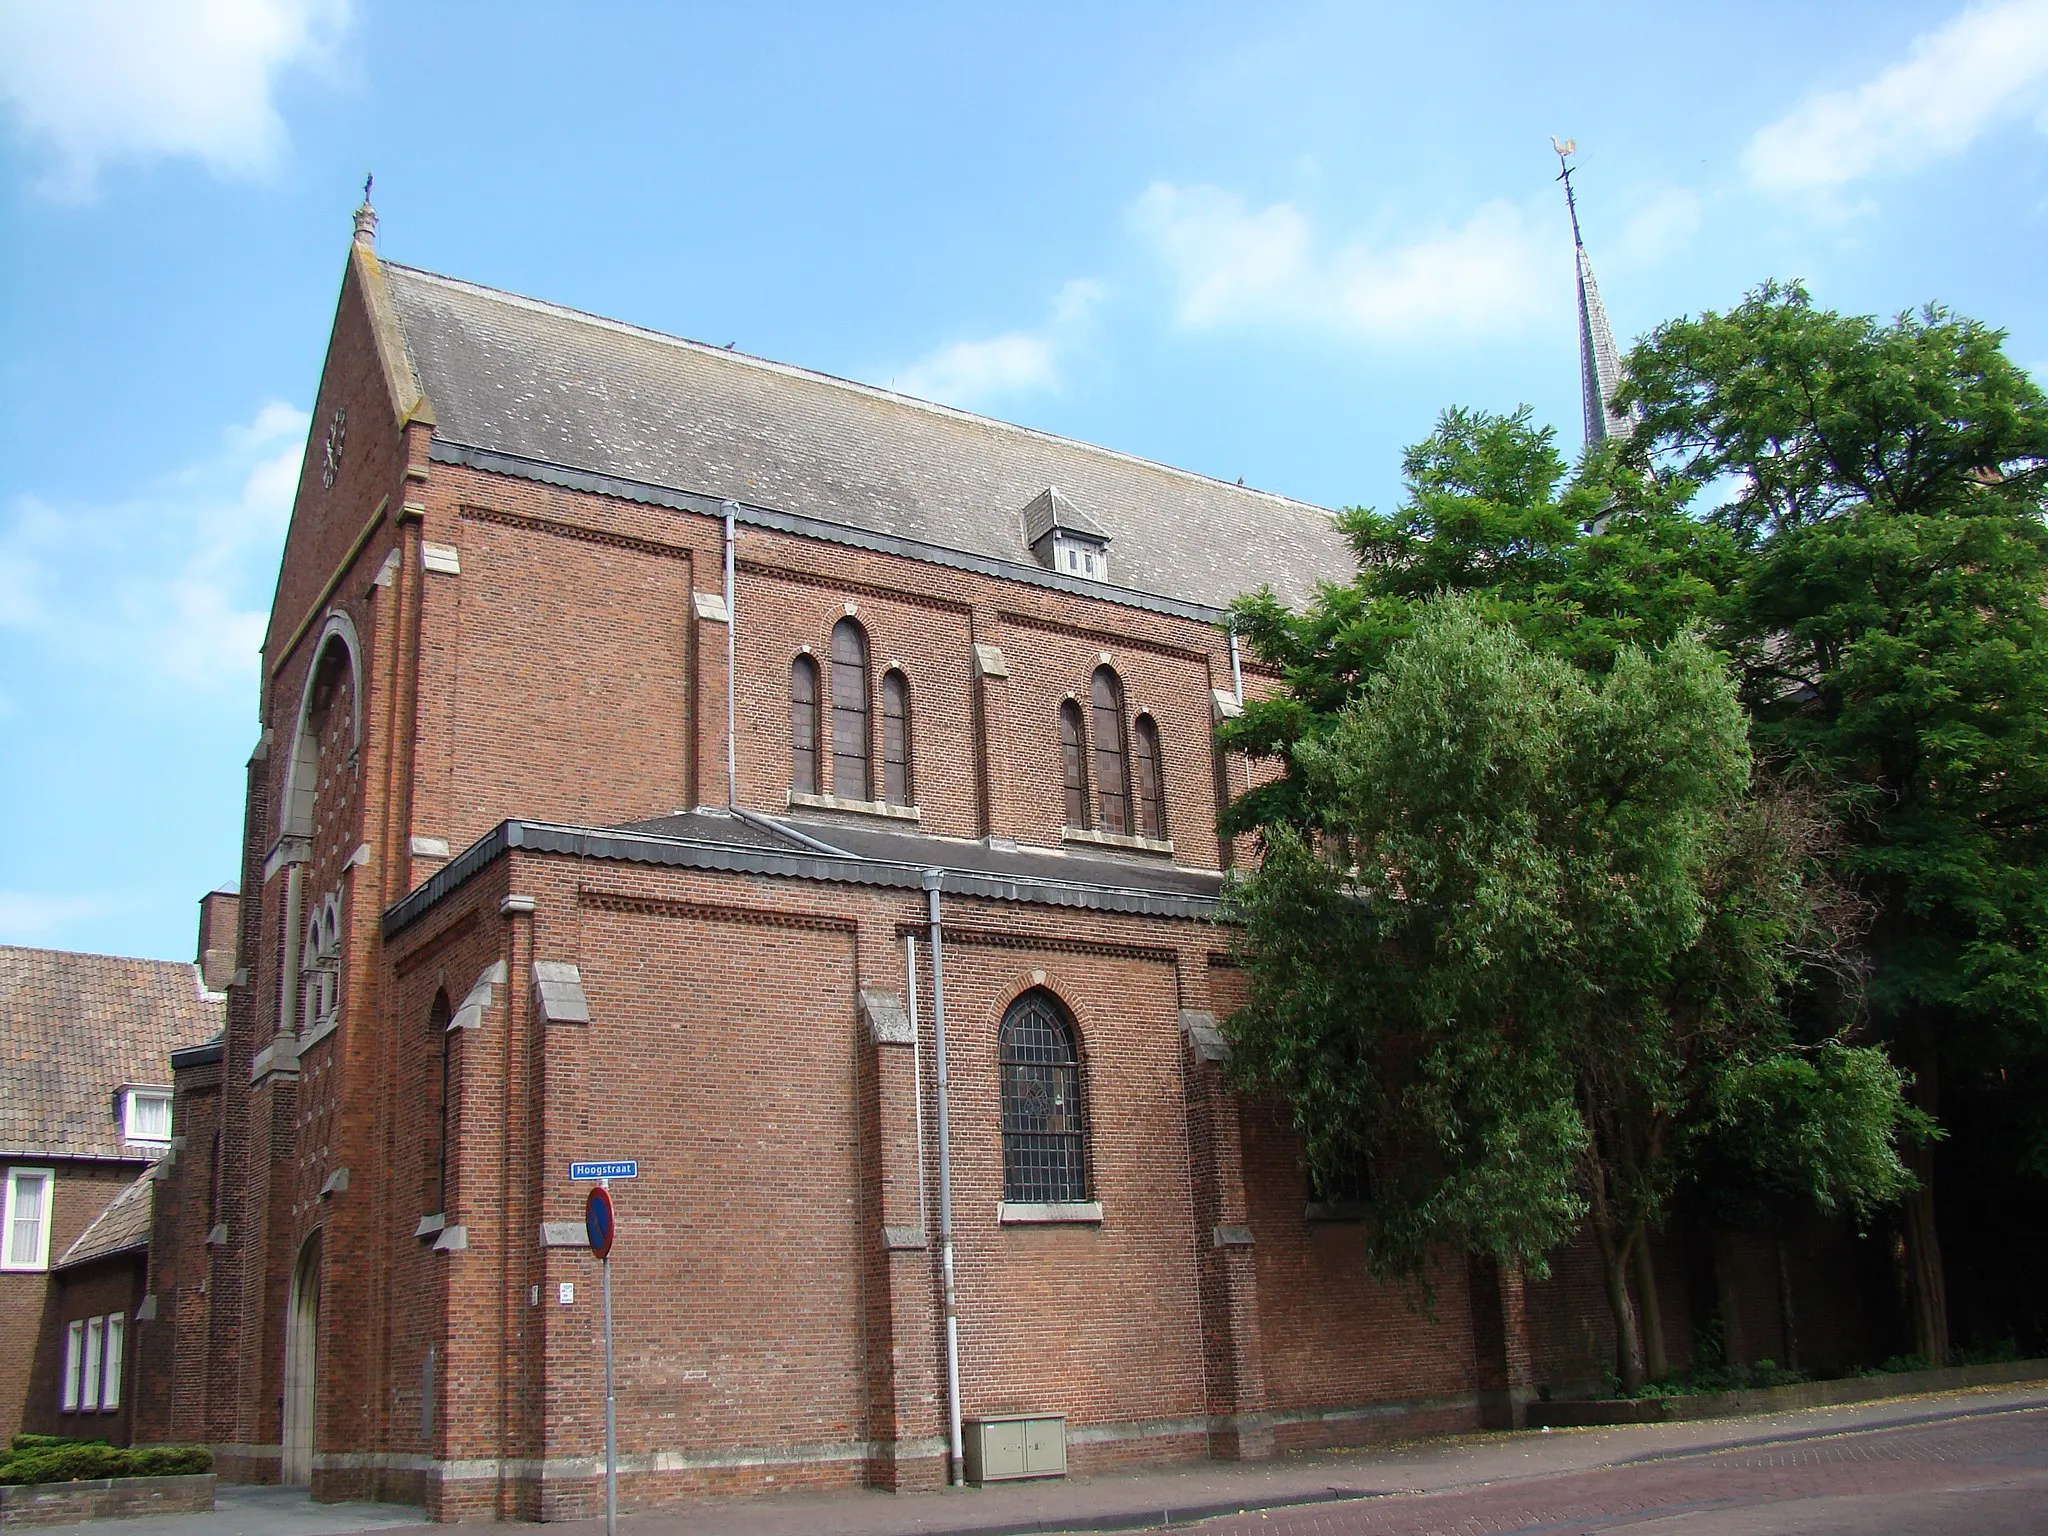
[(1580, 566), (1883, 485), (1886, 498), (1533, 919)]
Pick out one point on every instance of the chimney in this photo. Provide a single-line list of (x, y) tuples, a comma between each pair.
[(219, 912)]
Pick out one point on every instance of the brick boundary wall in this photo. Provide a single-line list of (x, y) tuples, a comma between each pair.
[(104, 1498)]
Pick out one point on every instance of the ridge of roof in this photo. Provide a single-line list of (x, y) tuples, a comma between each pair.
[(853, 386)]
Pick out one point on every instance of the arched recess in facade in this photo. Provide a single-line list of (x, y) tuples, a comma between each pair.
[(302, 775), (301, 1365)]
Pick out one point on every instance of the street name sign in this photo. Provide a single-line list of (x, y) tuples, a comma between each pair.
[(622, 1168)]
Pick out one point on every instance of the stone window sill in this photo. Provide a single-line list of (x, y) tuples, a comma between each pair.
[(881, 808), (1117, 840), (1015, 1213), (430, 1226)]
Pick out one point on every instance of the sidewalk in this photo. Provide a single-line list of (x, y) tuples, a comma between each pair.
[(1128, 1501)]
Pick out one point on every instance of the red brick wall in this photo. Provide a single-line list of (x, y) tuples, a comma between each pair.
[(112, 1285)]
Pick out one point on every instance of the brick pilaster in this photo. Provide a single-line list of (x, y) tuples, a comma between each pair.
[(1227, 1275)]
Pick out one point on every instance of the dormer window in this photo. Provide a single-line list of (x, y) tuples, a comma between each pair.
[(1078, 557), (1064, 538), (146, 1115)]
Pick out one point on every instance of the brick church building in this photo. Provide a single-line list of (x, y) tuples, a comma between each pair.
[(656, 742)]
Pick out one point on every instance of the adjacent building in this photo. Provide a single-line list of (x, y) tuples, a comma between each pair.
[(85, 1115)]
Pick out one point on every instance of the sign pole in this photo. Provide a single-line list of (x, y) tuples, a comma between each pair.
[(600, 1227), (611, 1404)]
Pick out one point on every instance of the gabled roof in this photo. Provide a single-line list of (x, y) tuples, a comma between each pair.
[(74, 1030), (535, 382), (1050, 509), (122, 1226)]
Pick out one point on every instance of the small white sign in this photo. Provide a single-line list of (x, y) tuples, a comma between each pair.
[(567, 1292)]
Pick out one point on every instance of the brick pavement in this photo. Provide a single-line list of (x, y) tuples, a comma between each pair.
[(1894, 1477), (1969, 1462)]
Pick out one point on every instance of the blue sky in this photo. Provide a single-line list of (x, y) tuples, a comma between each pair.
[(1270, 241)]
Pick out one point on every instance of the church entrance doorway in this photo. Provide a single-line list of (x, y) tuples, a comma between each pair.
[(301, 1361)]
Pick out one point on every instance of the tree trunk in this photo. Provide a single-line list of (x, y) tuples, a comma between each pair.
[(1655, 1359), (1628, 1348), (1735, 1351), (1785, 1314), (1928, 1283)]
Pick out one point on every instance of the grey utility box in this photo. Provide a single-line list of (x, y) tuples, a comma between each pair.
[(1015, 1445)]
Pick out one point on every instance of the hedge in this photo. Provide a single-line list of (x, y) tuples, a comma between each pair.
[(55, 1459)]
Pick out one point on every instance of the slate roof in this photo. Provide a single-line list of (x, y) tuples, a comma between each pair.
[(513, 376), (858, 840), (833, 850), (123, 1225), (74, 1030)]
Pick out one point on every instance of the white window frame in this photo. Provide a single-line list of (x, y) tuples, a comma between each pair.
[(89, 1378), (131, 1098), (117, 1341), (15, 1177), (74, 1363)]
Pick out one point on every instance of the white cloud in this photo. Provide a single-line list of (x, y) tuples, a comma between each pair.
[(26, 918), (1016, 362), (1233, 265), (1662, 223), (1988, 65), (171, 586), (101, 80)]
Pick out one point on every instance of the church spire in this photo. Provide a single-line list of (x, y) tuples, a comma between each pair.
[(1599, 363)]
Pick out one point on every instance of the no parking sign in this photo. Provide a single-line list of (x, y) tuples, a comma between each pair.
[(598, 1223)]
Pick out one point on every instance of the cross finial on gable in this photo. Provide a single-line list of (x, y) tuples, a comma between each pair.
[(366, 218)]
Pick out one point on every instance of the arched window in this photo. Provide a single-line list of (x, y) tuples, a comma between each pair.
[(320, 966), (803, 726), (1044, 1149), (1146, 779), (895, 738), (850, 738), (1112, 760), (1074, 764), (434, 1170)]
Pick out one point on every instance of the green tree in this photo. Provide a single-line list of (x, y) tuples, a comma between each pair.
[(1580, 565), (1883, 489), (1520, 923)]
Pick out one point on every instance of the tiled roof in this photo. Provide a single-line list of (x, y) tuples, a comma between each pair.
[(513, 376), (74, 1030), (122, 1225)]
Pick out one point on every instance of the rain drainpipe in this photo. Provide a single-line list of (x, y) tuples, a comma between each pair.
[(732, 761), (1237, 683), (957, 1457)]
